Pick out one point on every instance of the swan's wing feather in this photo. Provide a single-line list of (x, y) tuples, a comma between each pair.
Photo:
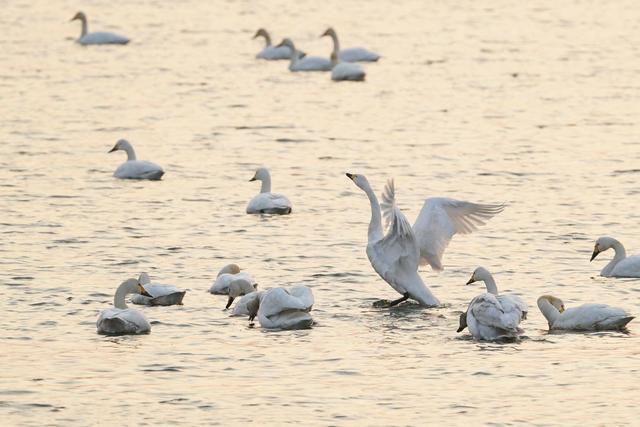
[(277, 300), (160, 290), (488, 311), (441, 218), (304, 294)]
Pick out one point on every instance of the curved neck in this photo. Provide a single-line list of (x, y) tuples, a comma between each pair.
[(336, 43), (548, 310), (131, 155), (118, 298), (266, 184), (375, 226), (621, 254), (490, 283), (267, 38), (83, 20)]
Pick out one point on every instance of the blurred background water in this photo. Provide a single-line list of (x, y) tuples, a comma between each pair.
[(534, 105)]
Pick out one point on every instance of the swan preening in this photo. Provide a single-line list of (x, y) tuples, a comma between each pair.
[(133, 168), (157, 294), (301, 62), (267, 202), (87, 38), (120, 319), (238, 288), (271, 52), (228, 274), (280, 308), (621, 265), (587, 317), (354, 54)]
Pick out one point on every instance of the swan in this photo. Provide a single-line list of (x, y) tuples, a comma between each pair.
[(354, 54), (281, 308), (157, 294), (122, 320), (509, 303), (132, 168), (301, 62), (226, 275), (271, 52), (97, 38), (488, 319), (621, 265), (242, 306), (240, 287), (346, 71), (587, 317), (267, 202), (394, 256)]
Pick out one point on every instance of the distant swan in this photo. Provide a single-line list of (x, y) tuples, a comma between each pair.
[(132, 168), (267, 202), (122, 320), (621, 265), (99, 37), (394, 256), (158, 294), (281, 308), (301, 62), (354, 54), (226, 275), (346, 71), (271, 52), (587, 317)]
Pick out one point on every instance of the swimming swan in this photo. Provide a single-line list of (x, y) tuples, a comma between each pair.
[(132, 168), (271, 52), (346, 71), (226, 275), (509, 302), (354, 54), (301, 62), (97, 38), (238, 288), (157, 294), (587, 317), (281, 308), (122, 320), (267, 202), (620, 265), (489, 320), (394, 256)]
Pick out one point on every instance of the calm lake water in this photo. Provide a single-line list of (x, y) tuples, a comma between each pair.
[(490, 101)]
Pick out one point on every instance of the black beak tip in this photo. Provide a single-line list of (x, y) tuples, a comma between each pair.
[(460, 329), (252, 179), (349, 175), (470, 282)]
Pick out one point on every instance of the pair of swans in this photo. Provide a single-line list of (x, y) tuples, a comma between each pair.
[(134, 168), (621, 265), (270, 52), (267, 202), (87, 38)]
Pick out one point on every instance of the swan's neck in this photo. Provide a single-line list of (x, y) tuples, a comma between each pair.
[(83, 20), (621, 254), (131, 154), (375, 226), (267, 38), (490, 283), (266, 184), (336, 43), (549, 311), (118, 299)]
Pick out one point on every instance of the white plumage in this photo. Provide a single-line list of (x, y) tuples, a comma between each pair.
[(228, 274), (157, 294), (301, 62), (122, 320), (621, 265), (133, 168), (489, 320), (347, 71), (281, 308), (354, 54), (87, 38), (267, 202), (587, 317), (271, 52)]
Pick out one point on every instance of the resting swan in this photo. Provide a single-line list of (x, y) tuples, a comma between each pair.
[(301, 62), (281, 308), (240, 287), (587, 317), (157, 294), (228, 274), (99, 37), (621, 265), (133, 168), (122, 320), (354, 54), (394, 256), (271, 52), (346, 71), (509, 302), (267, 202), (489, 320)]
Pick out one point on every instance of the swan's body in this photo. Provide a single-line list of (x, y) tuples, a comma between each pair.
[(271, 52), (394, 256), (267, 202), (587, 317), (157, 294), (301, 62), (87, 38), (228, 274), (489, 320), (354, 54), (133, 168), (281, 308), (509, 303), (122, 320), (242, 306), (621, 265)]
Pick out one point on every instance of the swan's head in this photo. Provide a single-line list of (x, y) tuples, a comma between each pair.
[(602, 244), (463, 322), (329, 32), (554, 301), (80, 15), (240, 287), (287, 42), (133, 286), (229, 269), (360, 180), (262, 174), (261, 32), (479, 274), (122, 144)]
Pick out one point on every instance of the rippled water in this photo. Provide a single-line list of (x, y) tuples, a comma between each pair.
[(533, 105)]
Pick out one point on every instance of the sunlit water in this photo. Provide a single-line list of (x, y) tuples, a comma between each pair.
[(535, 106)]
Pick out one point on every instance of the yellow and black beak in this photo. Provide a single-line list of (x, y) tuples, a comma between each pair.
[(350, 176), (252, 179), (142, 291), (470, 281), (115, 148), (595, 253)]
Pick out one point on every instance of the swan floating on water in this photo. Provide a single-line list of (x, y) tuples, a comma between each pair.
[(621, 265), (394, 256), (271, 52), (509, 302), (132, 168), (346, 71), (354, 54), (228, 274), (267, 202), (157, 294), (587, 317), (238, 288), (121, 319), (99, 37), (301, 62), (281, 308)]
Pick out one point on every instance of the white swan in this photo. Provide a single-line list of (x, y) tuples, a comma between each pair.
[(509, 303), (354, 54), (394, 256), (488, 319), (271, 52), (346, 71), (267, 202), (242, 306), (122, 320), (621, 265), (587, 317), (157, 294), (281, 308), (99, 37), (228, 274), (301, 62), (132, 168), (238, 288)]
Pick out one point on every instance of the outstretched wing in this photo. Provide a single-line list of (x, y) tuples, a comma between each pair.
[(441, 218)]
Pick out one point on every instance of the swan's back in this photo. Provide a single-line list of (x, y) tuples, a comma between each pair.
[(357, 54), (115, 321), (103, 38), (346, 71), (221, 284), (311, 63), (139, 169), (487, 320), (279, 309), (269, 203), (628, 267), (160, 295), (275, 53), (592, 317)]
